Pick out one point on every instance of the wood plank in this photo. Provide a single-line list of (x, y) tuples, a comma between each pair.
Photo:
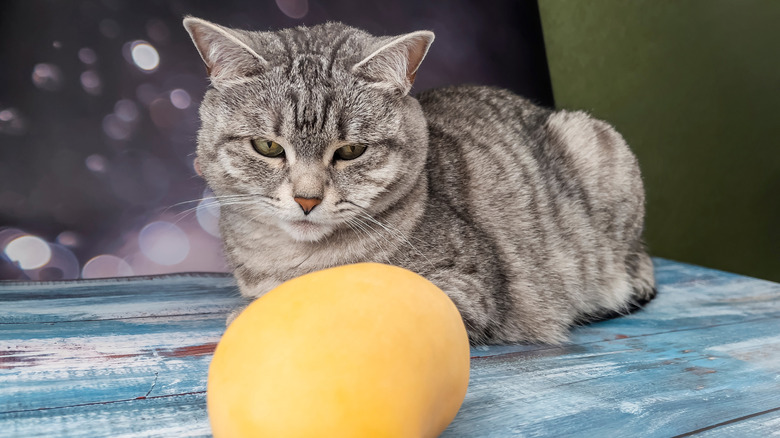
[(165, 417), (107, 358), (68, 364), (660, 385), (27, 302), (562, 381), (759, 425)]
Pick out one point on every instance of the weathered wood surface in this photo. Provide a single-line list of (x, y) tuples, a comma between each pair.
[(130, 358)]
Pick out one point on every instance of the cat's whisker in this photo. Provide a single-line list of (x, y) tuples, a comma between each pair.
[(214, 198), (364, 210), (189, 210), (184, 202), (247, 203), (220, 204), (168, 208), (252, 219), (356, 228), (386, 235), (397, 233), (367, 224), (366, 229), (305, 259)]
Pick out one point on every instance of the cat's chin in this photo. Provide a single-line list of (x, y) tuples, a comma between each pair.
[(306, 231)]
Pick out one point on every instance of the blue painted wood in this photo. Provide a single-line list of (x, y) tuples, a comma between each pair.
[(130, 358), (660, 385), (118, 298), (762, 425), (102, 361), (167, 416)]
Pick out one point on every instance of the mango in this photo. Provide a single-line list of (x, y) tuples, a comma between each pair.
[(365, 350)]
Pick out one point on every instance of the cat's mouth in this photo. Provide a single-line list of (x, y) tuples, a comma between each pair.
[(305, 225), (306, 230)]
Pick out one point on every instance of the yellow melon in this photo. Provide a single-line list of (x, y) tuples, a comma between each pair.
[(364, 350)]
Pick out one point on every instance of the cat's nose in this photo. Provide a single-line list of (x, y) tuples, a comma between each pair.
[(308, 204)]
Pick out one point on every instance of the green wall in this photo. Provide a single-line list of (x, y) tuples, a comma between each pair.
[(694, 87)]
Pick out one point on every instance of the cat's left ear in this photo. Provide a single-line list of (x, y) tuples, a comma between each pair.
[(225, 52), (394, 64)]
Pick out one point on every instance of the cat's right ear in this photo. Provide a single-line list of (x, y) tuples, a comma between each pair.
[(394, 64), (226, 53)]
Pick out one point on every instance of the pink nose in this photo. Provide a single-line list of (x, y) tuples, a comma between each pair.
[(308, 204)]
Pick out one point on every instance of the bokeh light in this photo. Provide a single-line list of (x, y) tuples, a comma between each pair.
[(12, 122), (106, 265), (208, 213), (164, 243), (68, 238), (126, 110), (63, 265), (47, 77), (87, 55), (116, 128), (30, 252), (8, 234), (96, 163), (180, 99), (144, 55), (91, 83), (294, 8)]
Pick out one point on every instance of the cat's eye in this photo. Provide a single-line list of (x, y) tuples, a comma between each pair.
[(349, 152), (267, 148)]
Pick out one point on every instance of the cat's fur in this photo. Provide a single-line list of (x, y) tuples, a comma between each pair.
[(529, 219)]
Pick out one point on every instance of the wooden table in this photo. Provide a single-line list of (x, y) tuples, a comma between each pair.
[(129, 357)]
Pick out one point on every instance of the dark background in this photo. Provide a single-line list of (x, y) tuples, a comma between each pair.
[(96, 153)]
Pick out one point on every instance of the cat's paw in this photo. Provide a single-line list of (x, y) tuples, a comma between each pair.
[(233, 315)]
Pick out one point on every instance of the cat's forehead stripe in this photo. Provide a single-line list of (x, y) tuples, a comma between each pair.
[(329, 42), (307, 119), (336, 48)]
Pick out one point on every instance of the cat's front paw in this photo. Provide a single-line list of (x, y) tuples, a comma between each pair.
[(233, 315)]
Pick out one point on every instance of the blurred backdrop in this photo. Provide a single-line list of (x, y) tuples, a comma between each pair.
[(98, 117)]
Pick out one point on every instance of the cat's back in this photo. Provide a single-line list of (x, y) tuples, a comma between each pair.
[(480, 147), (479, 137), (557, 193), (480, 111), (522, 159)]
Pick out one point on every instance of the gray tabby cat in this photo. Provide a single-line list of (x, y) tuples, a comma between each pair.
[(529, 219)]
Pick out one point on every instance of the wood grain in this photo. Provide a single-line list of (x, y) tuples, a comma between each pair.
[(130, 357)]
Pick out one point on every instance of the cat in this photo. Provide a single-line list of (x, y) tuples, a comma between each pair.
[(529, 219)]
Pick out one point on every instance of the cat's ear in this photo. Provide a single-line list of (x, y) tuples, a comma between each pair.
[(226, 53), (395, 62)]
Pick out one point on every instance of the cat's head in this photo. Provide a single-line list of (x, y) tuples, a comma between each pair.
[(308, 129)]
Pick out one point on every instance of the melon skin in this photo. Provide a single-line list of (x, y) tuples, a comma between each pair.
[(365, 350)]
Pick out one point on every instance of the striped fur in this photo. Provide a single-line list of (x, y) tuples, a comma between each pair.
[(529, 219)]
